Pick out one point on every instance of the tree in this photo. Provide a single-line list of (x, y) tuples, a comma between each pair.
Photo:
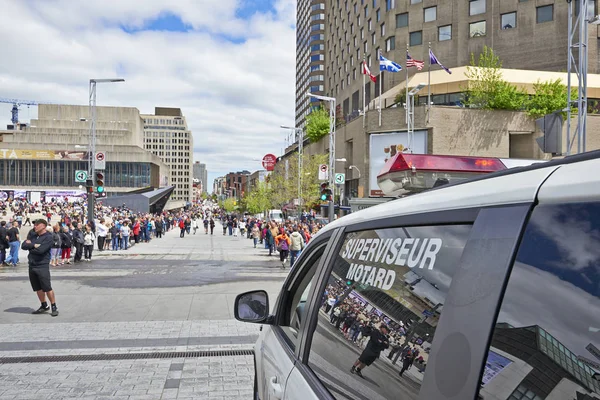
[(549, 97), (340, 118), (317, 124), (229, 204), (259, 199), (487, 89)]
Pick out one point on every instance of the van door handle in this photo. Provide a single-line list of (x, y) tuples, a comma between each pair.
[(275, 388)]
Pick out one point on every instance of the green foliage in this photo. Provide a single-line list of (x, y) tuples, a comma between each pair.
[(258, 200), (229, 204), (549, 97), (401, 97), (487, 89), (283, 190), (317, 124)]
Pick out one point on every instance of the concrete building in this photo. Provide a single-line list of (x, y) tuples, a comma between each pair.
[(528, 35), (219, 187), (256, 178), (200, 173), (166, 135), (310, 55), (45, 155)]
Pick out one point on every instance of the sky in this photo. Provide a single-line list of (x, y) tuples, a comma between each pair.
[(228, 64)]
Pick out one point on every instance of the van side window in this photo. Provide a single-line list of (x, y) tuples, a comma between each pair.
[(380, 309), (546, 342), (294, 303)]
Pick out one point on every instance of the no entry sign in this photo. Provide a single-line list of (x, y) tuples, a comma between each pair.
[(269, 161)]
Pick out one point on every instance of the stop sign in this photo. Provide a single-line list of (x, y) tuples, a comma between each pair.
[(268, 162)]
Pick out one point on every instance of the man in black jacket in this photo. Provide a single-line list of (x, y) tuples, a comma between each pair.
[(78, 240), (378, 342), (39, 245), (3, 242)]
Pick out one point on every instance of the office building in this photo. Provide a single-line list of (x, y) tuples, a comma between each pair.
[(310, 55), (219, 187), (201, 174), (236, 183), (166, 134), (42, 158), (529, 35)]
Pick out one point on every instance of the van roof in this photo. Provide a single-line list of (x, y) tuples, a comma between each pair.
[(511, 186)]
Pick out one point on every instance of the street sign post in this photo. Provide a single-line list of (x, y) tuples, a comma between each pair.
[(80, 176), (100, 160), (340, 179), (323, 172)]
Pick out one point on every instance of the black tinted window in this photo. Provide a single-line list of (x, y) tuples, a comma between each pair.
[(547, 337), (396, 278)]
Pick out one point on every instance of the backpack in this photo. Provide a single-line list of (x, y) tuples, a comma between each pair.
[(284, 245)]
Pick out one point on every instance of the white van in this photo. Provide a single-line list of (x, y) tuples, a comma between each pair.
[(496, 280), (276, 215)]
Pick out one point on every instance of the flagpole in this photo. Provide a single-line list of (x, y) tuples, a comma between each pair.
[(364, 93), (406, 97), (429, 84), (379, 79)]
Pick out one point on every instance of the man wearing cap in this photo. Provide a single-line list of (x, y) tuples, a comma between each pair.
[(39, 244)]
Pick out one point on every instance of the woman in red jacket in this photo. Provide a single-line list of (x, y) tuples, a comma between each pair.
[(136, 231)]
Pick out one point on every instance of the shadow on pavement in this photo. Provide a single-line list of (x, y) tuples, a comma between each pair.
[(20, 310)]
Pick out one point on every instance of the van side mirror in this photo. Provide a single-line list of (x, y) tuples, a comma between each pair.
[(252, 306)]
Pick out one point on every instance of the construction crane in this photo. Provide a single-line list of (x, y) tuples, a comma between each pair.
[(16, 104)]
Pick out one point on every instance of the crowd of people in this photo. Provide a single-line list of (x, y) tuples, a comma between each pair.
[(369, 329), (75, 238), (288, 238)]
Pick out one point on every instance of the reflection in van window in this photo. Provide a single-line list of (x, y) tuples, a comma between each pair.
[(380, 310), (547, 335)]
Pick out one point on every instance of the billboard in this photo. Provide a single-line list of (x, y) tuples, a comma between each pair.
[(14, 154), (383, 146)]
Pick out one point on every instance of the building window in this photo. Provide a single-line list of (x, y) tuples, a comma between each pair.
[(366, 11), (445, 33), (390, 43), (476, 7), (545, 13), (401, 20), (430, 14), (415, 1), (477, 29), (416, 38), (390, 4), (374, 38), (508, 20), (370, 25), (358, 20), (383, 30), (378, 15)]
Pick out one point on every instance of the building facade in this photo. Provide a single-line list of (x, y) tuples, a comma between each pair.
[(219, 187), (166, 135), (310, 56), (200, 173), (46, 154), (236, 184), (524, 34)]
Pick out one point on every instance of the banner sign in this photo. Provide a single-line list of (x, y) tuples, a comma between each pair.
[(14, 154)]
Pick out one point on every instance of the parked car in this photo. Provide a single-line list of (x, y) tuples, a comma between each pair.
[(501, 274)]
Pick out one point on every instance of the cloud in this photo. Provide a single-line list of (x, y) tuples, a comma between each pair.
[(231, 70)]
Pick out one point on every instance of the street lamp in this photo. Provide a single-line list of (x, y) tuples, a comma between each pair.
[(331, 101), (410, 110), (92, 145), (300, 133), (357, 170)]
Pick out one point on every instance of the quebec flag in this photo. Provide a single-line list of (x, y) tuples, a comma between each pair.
[(388, 65)]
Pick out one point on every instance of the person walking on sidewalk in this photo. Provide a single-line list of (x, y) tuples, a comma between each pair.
[(88, 243), (182, 228), (158, 226), (102, 231), (66, 242), (205, 222), (283, 242), (39, 265), (212, 225), (55, 251), (13, 238), (255, 234), (195, 224), (379, 341), (77, 242), (296, 246), (3, 242)]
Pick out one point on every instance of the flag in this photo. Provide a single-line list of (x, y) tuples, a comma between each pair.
[(433, 60), (411, 62), (367, 71), (388, 65)]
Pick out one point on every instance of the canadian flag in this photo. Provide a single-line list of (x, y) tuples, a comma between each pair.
[(366, 71)]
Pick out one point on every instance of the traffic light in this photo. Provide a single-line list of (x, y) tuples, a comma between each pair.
[(326, 193), (100, 182)]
